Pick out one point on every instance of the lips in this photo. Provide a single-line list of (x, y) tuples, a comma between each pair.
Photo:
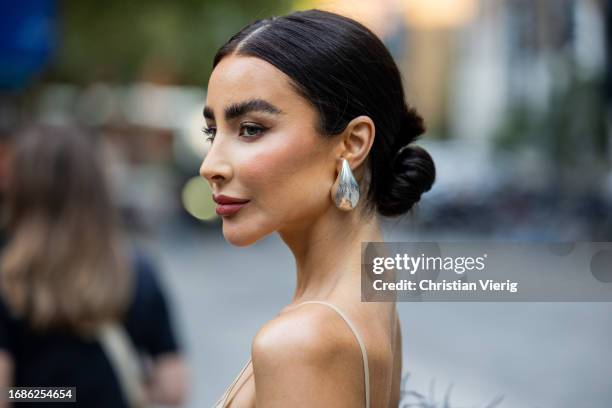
[(227, 205), (223, 199)]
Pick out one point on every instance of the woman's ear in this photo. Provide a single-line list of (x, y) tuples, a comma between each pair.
[(357, 140)]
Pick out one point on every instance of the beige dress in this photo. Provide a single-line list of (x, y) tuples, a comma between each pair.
[(221, 403)]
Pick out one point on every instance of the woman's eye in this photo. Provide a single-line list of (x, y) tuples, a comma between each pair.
[(210, 132), (251, 130), (248, 131)]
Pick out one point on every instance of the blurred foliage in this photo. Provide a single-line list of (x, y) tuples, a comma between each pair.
[(168, 41)]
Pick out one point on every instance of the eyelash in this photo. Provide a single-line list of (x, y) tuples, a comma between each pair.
[(210, 132)]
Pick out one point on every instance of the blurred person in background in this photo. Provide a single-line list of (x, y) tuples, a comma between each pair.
[(295, 104), (76, 301), (5, 155), (5, 149)]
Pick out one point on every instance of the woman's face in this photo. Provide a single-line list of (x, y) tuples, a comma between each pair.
[(265, 150)]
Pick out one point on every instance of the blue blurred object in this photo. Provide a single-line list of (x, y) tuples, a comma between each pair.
[(27, 39)]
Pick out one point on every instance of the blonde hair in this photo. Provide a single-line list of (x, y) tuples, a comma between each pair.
[(64, 265)]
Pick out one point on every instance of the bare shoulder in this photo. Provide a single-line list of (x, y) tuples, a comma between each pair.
[(307, 357), (310, 334)]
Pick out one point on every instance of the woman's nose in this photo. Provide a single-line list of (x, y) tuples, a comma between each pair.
[(215, 168)]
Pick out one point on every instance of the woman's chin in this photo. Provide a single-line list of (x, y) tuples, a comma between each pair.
[(239, 237), (246, 230)]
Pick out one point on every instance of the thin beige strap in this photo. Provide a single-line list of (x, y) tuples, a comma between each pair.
[(123, 357), (364, 353), (223, 400)]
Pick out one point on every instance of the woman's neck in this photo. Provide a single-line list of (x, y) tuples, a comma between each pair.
[(327, 252)]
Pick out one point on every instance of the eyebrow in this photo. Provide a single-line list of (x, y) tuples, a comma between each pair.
[(238, 109)]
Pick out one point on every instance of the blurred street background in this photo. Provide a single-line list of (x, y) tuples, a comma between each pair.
[(517, 96)]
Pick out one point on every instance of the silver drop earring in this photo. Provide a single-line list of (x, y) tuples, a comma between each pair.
[(345, 191)]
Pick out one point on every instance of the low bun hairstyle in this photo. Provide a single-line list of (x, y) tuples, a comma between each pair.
[(344, 70), (413, 170)]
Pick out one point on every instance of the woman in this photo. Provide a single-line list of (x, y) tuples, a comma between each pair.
[(311, 138), (66, 277)]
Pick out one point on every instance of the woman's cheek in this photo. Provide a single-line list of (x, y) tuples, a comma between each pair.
[(283, 174), (273, 165)]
